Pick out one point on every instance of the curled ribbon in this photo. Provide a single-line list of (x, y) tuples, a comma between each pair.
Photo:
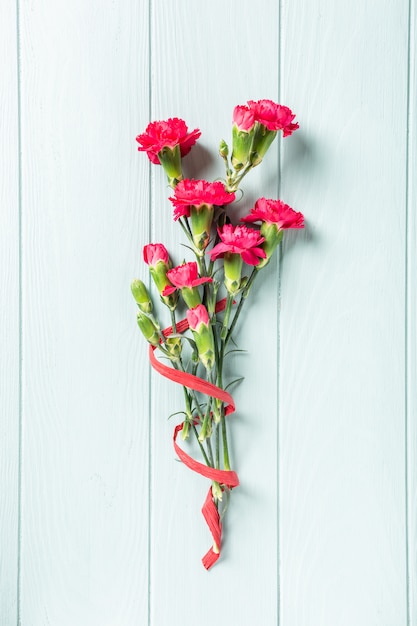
[(223, 477)]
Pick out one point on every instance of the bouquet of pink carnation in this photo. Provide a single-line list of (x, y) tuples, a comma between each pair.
[(214, 286)]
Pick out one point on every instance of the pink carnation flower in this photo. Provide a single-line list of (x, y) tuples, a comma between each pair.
[(273, 116), (197, 316), (239, 240), (154, 252), (185, 275), (167, 134), (275, 212), (243, 117), (190, 192)]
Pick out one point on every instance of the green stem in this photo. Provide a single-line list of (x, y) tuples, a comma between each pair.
[(234, 181), (227, 167), (220, 223), (224, 437), (173, 322), (179, 365), (223, 337), (205, 425), (203, 268), (241, 303), (229, 304), (217, 446), (209, 461), (201, 446), (186, 229), (226, 462), (210, 451)]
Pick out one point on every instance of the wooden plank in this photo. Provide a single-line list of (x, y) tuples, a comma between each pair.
[(342, 422), (201, 70), (412, 323), (85, 208), (9, 317)]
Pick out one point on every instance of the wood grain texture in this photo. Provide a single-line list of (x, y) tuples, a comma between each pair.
[(205, 61), (85, 395), (411, 312), (9, 317), (342, 421), (322, 529)]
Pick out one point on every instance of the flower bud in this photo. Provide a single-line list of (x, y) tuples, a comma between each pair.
[(157, 257), (148, 328), (242, 143), (141, 295), (161, 281), (185, 277), (243, 131), (199, 323), (223, 149)]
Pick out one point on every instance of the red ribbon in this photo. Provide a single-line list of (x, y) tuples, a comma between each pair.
[(223, 477)]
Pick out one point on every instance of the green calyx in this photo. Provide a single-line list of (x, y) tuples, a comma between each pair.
[(159, 275), (203, 338), (261, 142), (273, 237), (191, 296), (170, 159), (242, 147), (171, 301), (201, 220), (232, 272)]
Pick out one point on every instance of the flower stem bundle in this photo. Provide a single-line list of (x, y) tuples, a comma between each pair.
[(205, 296)]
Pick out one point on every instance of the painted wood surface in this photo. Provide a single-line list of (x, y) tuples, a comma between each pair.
[(99, 525), (85, 496), (9, 316), (348, 421), (411, 316)]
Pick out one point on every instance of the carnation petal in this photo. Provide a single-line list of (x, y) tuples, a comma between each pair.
[(251, 257), (200, 281), (181, 211), (189, 141), (218, 251), (168, 290)]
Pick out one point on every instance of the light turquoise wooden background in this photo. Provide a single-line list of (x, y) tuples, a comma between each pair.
[(99, 525)]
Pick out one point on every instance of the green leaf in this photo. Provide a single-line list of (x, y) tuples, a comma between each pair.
[(177, 413), (234, 350), (237, 380), (189, 248)]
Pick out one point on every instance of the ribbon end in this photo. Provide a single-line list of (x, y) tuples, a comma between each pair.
[(210, 558)]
